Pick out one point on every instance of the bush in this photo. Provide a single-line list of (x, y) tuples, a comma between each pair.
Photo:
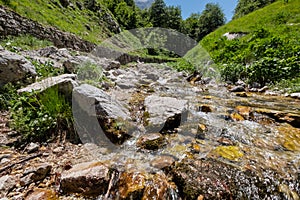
[(90, 73), (41, 116)]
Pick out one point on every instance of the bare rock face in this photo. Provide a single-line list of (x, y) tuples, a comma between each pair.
[(165, 113), (14, 67), (93, 107), (87, 178), (7, 182)]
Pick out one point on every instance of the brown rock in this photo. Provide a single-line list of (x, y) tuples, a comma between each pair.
[(205, 108), (159, 188), (90, 178), (132, 185), (236, 117), (152, 141), (42, 194), (163, 162), (35, 174), (245, 111)]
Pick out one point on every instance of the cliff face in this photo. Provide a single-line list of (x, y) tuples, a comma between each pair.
[(12, 23)]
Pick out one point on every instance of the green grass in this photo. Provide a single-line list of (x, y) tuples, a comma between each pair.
[(25, 42), (268, 53), (276, 18), (84, 23)]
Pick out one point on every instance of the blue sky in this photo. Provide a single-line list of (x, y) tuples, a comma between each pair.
[(197, 6)]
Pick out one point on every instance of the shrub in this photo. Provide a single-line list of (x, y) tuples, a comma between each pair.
[(90, 73), (41, 116)]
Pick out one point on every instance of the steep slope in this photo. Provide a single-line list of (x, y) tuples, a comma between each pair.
[(267, 48), (91, 21)]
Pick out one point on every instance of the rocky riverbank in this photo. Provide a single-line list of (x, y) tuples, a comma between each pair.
[(148, 133)]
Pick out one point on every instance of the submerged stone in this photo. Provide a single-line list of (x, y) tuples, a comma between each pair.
[(151, 141)]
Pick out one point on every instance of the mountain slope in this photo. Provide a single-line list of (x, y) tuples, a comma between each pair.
[(92, 22), (270, 49)]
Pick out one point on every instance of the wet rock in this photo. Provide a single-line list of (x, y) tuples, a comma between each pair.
[(279, 116), (32, 147), (35, 174), (7, 183), (151, 141), (241, 94), (238, 88), (201, 131), (245, 111), (163, 162), (42, 194), (65, 84), (93, 103), (295, 95), (195, 77), (229, 152), (236, 117), (205, 108), (14, 67), (263, 89), (165, 113), (132, 185), (159, 188), (216, 180), (89, 179)]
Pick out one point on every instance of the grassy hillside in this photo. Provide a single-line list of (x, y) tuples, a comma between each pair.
[(269, 53), (76, 18)]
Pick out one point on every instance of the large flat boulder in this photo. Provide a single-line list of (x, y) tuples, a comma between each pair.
[(99, 116), (65, 84), (165, 113), (90, 178), (14, 67)]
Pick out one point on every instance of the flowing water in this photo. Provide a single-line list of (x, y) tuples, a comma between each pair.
[(249, 131)]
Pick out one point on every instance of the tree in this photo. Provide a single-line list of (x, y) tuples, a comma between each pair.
[(210, 19), (125, 15), (158, 14), (245, 7), (174, 20), (191, 25)]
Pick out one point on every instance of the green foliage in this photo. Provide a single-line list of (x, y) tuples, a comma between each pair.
[(85, 23), (90, 73), (268, 53), (158, 14), (199, 25), (39, 117), (25, 42), (182, 64), (245, 7), (46, 69), (289, 85)]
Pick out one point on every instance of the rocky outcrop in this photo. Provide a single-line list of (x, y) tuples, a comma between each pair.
[(65, 84), (165, 113), (12, 23), (93, 103), (14, 67)]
